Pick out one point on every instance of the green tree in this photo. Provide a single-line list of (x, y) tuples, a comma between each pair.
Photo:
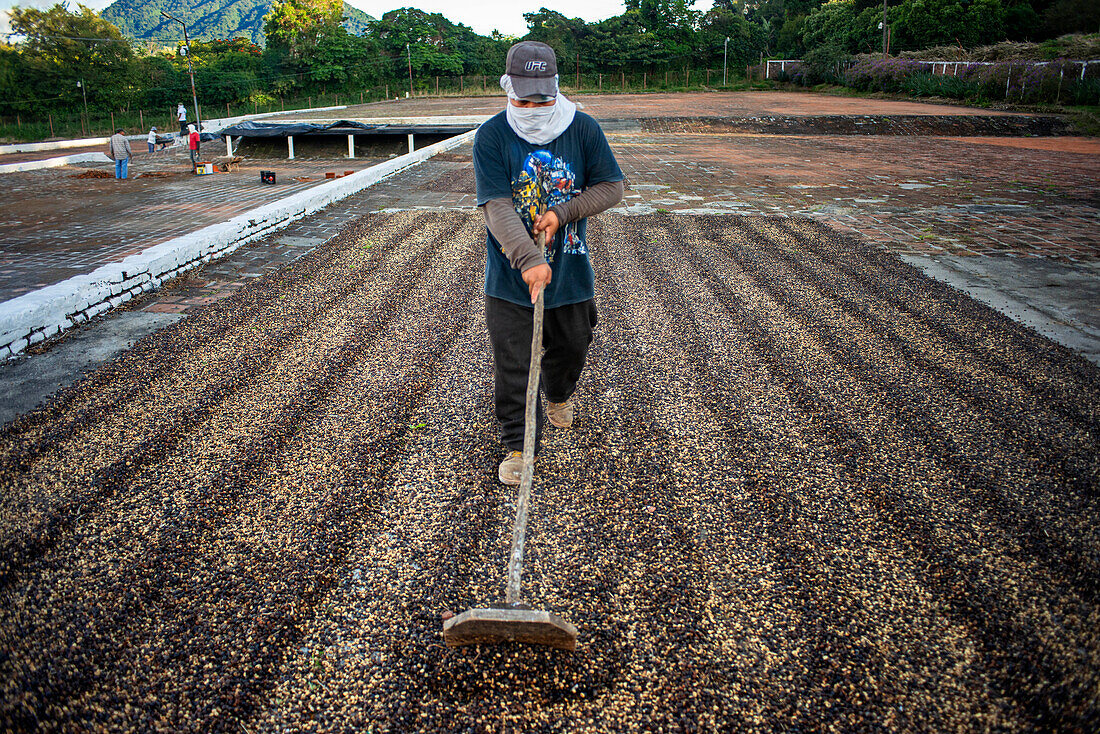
[(673, 24), (63, 48), (1071, 16), (923, 23), (621, 43), (565, 35), (746, 39), (297, 27)]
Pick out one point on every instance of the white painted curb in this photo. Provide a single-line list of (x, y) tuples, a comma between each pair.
[(51, 145), (35, 316), (61, 160)]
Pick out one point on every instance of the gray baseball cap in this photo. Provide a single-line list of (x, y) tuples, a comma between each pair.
[(533, 68)]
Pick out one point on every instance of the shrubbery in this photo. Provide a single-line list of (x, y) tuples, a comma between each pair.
[(1020, 82)]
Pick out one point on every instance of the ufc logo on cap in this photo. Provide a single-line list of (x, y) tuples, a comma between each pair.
[(535, 66)]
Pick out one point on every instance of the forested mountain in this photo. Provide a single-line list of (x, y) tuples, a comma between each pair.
[(206, 19)]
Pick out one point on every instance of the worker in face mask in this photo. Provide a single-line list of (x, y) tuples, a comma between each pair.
[(540, 166)]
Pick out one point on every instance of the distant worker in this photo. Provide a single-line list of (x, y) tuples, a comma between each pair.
[(118, 150), (181, 115), (540, 166), (151, 140), (193, 144)]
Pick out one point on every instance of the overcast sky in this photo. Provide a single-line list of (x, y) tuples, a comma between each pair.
[(484, 16)]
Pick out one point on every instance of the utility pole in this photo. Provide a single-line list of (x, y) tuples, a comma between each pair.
[(84, 91), (408, 48), (884, 44), (190, 68), (725, 47)]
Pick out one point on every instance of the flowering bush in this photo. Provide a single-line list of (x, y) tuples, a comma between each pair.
[(884, 75), (1013, 81)]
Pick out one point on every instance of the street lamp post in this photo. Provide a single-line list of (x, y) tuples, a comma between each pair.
[(883, 24), (84, 91), (190, 69), (725, 47), (408, 49)]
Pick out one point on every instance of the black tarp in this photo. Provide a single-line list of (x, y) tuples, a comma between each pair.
[(250, 129)]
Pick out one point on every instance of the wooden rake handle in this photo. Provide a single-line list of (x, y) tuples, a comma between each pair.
[(527, 477)]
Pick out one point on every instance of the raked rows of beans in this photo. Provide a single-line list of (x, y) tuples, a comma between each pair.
[(807, 489)]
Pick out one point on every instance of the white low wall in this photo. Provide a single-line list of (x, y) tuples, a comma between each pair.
[(61, 160), (36, 316), (51, 145)]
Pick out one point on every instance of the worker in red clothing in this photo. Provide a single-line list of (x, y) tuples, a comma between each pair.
[(193, 145)]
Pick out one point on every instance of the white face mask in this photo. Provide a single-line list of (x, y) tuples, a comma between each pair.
[(538, 125), (531, 119)]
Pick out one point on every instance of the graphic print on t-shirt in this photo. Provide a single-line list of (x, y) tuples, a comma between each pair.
[(543, 182)]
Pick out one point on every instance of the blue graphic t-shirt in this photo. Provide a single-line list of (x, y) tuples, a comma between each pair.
[(535, 178)]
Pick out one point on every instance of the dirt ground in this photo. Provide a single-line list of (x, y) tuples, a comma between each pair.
[(807, 489)]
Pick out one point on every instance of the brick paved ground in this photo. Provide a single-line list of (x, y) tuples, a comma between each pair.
[(58, 226), (911, 195)]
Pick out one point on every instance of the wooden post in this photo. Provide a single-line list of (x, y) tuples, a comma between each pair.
[(601, 82), (227, 109), (687, 77), (360, 97), (666, 77), (643, 80), (141, 120), (461, 84), (51, 126), (113, 128), (18, 122), (622, 80), (281, 102)]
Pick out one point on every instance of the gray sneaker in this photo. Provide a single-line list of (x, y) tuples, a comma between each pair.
[(511, 468), (560, 414)]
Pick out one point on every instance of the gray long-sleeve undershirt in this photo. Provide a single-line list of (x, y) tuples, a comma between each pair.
[(508, 229)]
